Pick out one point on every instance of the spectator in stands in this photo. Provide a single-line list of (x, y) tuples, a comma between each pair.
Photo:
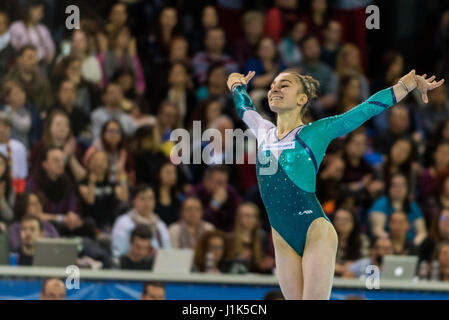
[(167, 119), (215, 42), (142, 212), (440, 270), (437, 109), (112, 109), (349, 94), (113, 141), (219, 199), (30, 30), (28, 204), (82, 48), (140, 255), (429, 177), (245, 48), (148, 153), (179, 91), (280, 18), (7, 193), (121, 53), (209, 19), (247, 242), (359, 176), (207, 112), (15, 153), (27, 73), (14, 97), (57, 133), (153, 291), (289, 48), (329, 181), (352, 243), (99, 197), (397, 199), (66, 100), (349, 63), (380, 247), (53, 289), (398, 226), (332, 41), (317, 18), (190, 227), (392, 69), (167, 193), (30, 230), (439, 231), (311, 65), (59, 193), (211, 252), (6, 50), (86, 93)]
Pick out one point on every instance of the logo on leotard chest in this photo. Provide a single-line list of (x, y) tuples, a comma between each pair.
[(300, 213), (279, 146)]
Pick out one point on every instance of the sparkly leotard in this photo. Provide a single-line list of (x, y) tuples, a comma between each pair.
[(287, 167)]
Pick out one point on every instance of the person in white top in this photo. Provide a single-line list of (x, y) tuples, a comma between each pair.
[(141, 213)]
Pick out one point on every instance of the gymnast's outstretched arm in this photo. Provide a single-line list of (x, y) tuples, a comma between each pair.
[(339, 125)]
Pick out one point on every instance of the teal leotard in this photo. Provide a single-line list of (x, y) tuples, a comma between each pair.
[(287, 168)]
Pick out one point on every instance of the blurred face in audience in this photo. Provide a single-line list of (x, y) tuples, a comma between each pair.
[(215, 41), (112, 134), (123, 39), (168, 175), (352, 58), (287, 4), (28, 60), (79, 42), (216, 180), (118, 15), (254, 27), (356, 146), (352, 91), (98, 163), (400, 151), (299, 31), (73, 71), (144, 202), (139, 248), (311, 50), (5, 131), (398, 188), (396, 68), (398, 224), (192, 211), (3, 23), (383, 247), (216, 246), (249, 216), (126, 82), (179, 49), (54, 290), (319, 6), (343, 222), (113, 96), (34, 206), (29, 233), (443, 224), (16, 97), (60, 127), (168, 116), (54, 164), (67, 95), (333, 32), (213, 111), (154, 293), (217, 78), (168, 18), (441, 156), (178, 76), (36, 14), (209, 17), (267, 49)]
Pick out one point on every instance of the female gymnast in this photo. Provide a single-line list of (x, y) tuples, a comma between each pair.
[(305, 241)]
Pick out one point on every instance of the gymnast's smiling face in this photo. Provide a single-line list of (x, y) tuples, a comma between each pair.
[(286, 93)]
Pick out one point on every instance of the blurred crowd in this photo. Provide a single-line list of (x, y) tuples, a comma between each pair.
[(86, 118)]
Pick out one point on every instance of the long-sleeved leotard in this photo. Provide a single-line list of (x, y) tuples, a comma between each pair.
[(287, 167)]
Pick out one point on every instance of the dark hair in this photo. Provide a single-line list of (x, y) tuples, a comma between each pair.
[(32, 218), (6, 177), (25, 48), (354, 243), (21, 204), (274, 295), (202, 248), (46, 137), (122, 142), (406, 167), (141, 231), (141, 188), (406, 202), (26, 17), (214, 66), (153, 284), (216, 168)]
